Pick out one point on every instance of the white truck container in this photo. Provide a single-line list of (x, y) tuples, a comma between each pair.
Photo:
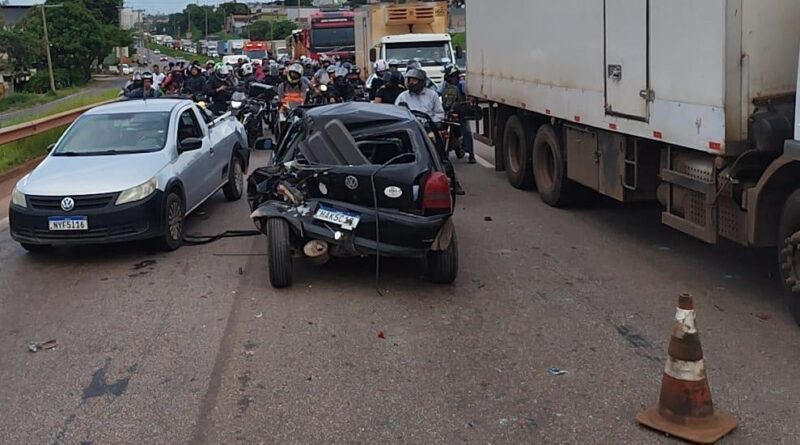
[(691, 102)]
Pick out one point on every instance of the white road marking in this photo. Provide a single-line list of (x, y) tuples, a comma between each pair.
[(483, 162), (3, 224)]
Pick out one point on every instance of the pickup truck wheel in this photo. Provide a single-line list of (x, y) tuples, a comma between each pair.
[(443, 264), (234, 188), (517, 152), (174, 219), (279, 256), (789, 252), (550, 168)]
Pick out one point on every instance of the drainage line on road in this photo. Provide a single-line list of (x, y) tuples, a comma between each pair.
[(199, 240)]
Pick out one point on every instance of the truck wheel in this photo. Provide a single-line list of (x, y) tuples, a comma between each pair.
[(443, 264), (550, 168), (516, 149), (234, 188), (279, 256), (789, 252)]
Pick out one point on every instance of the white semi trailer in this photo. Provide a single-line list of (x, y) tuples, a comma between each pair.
[(691, 102)]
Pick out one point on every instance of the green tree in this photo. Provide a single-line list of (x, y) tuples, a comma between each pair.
[(106, 11), (23, 49), (283, 28)]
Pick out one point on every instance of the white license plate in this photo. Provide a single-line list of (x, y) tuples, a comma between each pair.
[(348, 221), (59, 223)]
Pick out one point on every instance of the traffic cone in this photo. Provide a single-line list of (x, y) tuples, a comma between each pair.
[(685, 408)]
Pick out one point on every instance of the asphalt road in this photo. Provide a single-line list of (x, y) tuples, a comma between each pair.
[(195, 347)]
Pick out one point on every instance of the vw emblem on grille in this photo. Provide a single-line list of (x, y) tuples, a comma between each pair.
[(67, 204), (351, 182)]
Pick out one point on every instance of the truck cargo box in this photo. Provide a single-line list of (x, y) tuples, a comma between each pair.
[(687, 72)]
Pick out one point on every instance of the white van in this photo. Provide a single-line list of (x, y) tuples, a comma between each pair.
[(233, 60)]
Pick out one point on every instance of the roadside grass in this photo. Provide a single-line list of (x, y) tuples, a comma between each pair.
[(459, 39), (66, 105), (19, 152), (19, 101), (171, 52)]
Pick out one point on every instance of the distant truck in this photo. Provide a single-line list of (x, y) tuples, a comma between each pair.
[(256, 50), (328, 32), (236, 46), (404, 32), (690, 102)]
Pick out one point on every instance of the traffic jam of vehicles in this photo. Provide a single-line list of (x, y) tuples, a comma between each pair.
[(370, 113)]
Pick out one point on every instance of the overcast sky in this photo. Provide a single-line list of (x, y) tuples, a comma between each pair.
[(165, 6)]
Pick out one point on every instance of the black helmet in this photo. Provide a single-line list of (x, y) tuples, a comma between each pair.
[(355, 70), (393, 78), (421, 76), (414, 64)]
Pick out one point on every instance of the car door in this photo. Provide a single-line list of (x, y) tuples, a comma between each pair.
[(219, 137), (194, 165)]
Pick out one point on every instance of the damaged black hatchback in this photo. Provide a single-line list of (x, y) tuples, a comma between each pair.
[(355, 179)]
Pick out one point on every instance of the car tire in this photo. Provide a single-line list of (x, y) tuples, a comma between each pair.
[(37, 248), (789, 252), (234, 188), (279, 257), (443, 264), (174, 222), (550, 169), (517, 152)]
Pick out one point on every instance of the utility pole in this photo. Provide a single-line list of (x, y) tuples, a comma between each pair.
[(189, 22), (47, 45), (206, 26)]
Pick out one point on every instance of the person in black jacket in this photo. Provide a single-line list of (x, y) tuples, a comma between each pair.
[(146, 91), (219, 89), (343, 91), (196, 83)]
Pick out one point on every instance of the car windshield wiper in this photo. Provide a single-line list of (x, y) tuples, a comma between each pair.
[(94, 153)]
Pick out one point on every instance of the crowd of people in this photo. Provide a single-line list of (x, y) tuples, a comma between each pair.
[(297, 80)]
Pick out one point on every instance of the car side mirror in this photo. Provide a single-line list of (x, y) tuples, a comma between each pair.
[(459, 52), (373, 55), (264, 144), (190, 144), (50, 148)]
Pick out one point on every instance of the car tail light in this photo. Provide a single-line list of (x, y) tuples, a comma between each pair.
[(436, 194)]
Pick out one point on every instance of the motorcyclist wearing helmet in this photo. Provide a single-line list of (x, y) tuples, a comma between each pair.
[(391, 88), (322, 76), (174, 81), (147, 90), (219, 89), (293, 90), (415, 64), (354, 77), (454, 97), (195, 83), (375, 80), (247, 75), (343, 90), (258, 71), (135, 82), (273, 77), (419, 98)]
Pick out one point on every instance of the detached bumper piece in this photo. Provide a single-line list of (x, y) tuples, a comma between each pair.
[(107, 222)]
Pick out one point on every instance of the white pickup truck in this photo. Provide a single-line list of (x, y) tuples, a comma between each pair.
[(691, 102)]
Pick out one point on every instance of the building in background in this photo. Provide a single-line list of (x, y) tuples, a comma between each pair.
[(13, 12), (130, 18)]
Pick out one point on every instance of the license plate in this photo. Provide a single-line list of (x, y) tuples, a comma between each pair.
[(347, 220), (61, 223)]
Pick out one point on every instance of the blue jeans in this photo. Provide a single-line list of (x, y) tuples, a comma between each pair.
[(466, 137)]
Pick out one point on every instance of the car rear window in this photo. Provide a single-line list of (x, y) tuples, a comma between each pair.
[(115, 133), (382, 148)]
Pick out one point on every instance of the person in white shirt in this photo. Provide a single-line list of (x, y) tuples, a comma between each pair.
[(158, 76), (419, 98)]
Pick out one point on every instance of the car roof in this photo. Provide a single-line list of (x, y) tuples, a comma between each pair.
[(357, 113), (139, 105), (416, 38)]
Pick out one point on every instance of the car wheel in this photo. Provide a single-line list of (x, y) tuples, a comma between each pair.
[(789, 252), (550, 169), (279, 257), (235, 186), (37, 248), (174, 219), (443, 264), (516, 148)]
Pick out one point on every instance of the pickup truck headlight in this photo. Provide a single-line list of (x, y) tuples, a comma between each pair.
[(137, 193), (18, 198)]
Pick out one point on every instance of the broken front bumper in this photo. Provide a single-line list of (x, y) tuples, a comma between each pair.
[(400, 234)]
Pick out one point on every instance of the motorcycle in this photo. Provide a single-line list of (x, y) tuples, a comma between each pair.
[(253, 111), (451, 135), (320, 96)]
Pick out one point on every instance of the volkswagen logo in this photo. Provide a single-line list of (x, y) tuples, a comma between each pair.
[(67, 204), (351, 182)]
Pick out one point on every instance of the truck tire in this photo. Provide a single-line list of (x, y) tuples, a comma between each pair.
[(279, 257), (789, 252), (443, 265), (517, 153), (550, 168)]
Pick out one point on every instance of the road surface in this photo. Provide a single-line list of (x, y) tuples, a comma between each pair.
[(195, 347)]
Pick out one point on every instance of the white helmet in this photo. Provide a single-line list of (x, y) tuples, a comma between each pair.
[(381, 66), (247, 69), (257, 62), (342, 72)]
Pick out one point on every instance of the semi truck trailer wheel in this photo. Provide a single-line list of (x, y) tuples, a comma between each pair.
[(789, 252), (517, 153), (550, 168)]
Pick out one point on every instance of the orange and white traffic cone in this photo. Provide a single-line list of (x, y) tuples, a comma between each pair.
[(685, 408)]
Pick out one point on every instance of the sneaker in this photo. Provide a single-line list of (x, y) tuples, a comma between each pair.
[(472, 159)]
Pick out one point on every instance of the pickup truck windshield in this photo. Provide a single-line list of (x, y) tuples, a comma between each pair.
[(109, 134), (428, 53)]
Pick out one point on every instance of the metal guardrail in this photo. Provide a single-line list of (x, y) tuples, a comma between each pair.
[(21, 131)]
